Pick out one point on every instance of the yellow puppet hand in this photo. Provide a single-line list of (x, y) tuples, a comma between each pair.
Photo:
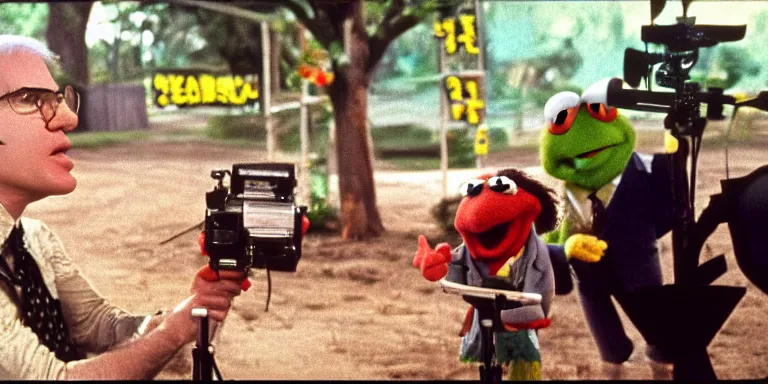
[(586, 248), (670, 143)]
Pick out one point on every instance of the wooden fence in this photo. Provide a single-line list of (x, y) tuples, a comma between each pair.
[(113, 107)]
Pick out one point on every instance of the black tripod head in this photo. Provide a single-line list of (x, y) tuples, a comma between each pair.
[(681, 43)]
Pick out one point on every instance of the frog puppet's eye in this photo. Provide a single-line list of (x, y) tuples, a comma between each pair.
[(560, 112), (602, 112), (472, 187), (595, 97), (502, 184)]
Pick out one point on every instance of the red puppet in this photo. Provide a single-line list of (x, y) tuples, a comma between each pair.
[(498, 219)]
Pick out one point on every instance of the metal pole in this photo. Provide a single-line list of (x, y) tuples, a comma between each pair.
[(333, 175), (479, 32), (481, 66), (304, 138), (201, 356), (266, 90), (442, 123)]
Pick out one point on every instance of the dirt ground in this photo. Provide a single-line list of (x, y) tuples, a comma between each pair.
[(354, 310)]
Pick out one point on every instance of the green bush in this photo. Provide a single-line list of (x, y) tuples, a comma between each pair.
[(444, 213), (498, 139), (402, 136), (289, 139), (286, 125), (236, 127), (93, 140), (461, 148), (322, 216)]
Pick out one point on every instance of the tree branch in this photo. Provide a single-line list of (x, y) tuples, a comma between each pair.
[(316, 23), (388, 32), (228, 10), (395, 8)]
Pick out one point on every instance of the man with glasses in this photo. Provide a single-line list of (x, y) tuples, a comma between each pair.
[(50, 316)]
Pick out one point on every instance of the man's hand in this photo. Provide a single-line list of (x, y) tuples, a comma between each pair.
[(586, 248), (432, 262), (216, 296)]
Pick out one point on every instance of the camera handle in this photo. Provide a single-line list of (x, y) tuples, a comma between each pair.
[(203, 364)]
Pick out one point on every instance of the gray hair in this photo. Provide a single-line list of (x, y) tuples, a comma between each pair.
[(10, 44)]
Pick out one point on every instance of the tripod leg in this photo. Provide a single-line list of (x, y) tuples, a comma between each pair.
[(202, 360), (490, 371), (195, 365), (694, 365)]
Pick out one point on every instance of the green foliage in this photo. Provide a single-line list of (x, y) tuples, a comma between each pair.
[(461, 148), (26, 19), (94, 140), (402, 136), (413, 138), (736, 62), (415, 163), (498, 139), (411, 55), (321, 216), (286, 124), (236, 127), (122, 59)]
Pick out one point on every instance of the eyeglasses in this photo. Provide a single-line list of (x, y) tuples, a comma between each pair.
[(30, 100)]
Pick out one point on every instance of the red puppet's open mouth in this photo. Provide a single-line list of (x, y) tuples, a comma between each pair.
[(491, 238)]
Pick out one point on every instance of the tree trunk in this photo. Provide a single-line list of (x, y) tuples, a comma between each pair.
[(349, 95), (66, 37)]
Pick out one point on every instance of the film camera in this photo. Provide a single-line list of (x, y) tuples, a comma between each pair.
[(255, 222)]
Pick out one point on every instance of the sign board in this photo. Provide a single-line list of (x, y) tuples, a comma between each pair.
[(465, 93), (188, 88), (458, 31)]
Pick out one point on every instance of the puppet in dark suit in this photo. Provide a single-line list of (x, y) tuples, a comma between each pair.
[(496, 221), (617, 203)]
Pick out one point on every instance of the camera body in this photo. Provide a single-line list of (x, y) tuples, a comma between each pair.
[(255, 223)]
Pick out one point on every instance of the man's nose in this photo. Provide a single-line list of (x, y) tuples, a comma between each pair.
[(65, 119)]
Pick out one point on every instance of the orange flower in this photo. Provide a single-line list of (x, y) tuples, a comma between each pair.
[(305, 70), (320, 79)]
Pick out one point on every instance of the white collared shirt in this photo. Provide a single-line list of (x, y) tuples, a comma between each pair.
[(579, 198), (94, 324)]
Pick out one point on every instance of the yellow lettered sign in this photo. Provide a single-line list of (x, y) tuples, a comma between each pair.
[(465, 98), (468, 36), (481, 140), (186, 88), (446, 29), (465, 33)]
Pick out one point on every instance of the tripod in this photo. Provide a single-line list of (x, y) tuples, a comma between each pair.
[(203, 364), (489, 315)]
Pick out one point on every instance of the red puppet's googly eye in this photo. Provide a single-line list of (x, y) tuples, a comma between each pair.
[(563, 121), (602, 112)]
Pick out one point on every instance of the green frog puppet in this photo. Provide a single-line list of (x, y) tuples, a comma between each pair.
[(616, 204)]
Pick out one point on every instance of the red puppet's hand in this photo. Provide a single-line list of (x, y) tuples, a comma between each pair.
[(432, 262), (536, 324), (201, 243), (304, 225)]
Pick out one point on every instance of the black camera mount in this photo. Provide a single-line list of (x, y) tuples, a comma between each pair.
[(691, 296)]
